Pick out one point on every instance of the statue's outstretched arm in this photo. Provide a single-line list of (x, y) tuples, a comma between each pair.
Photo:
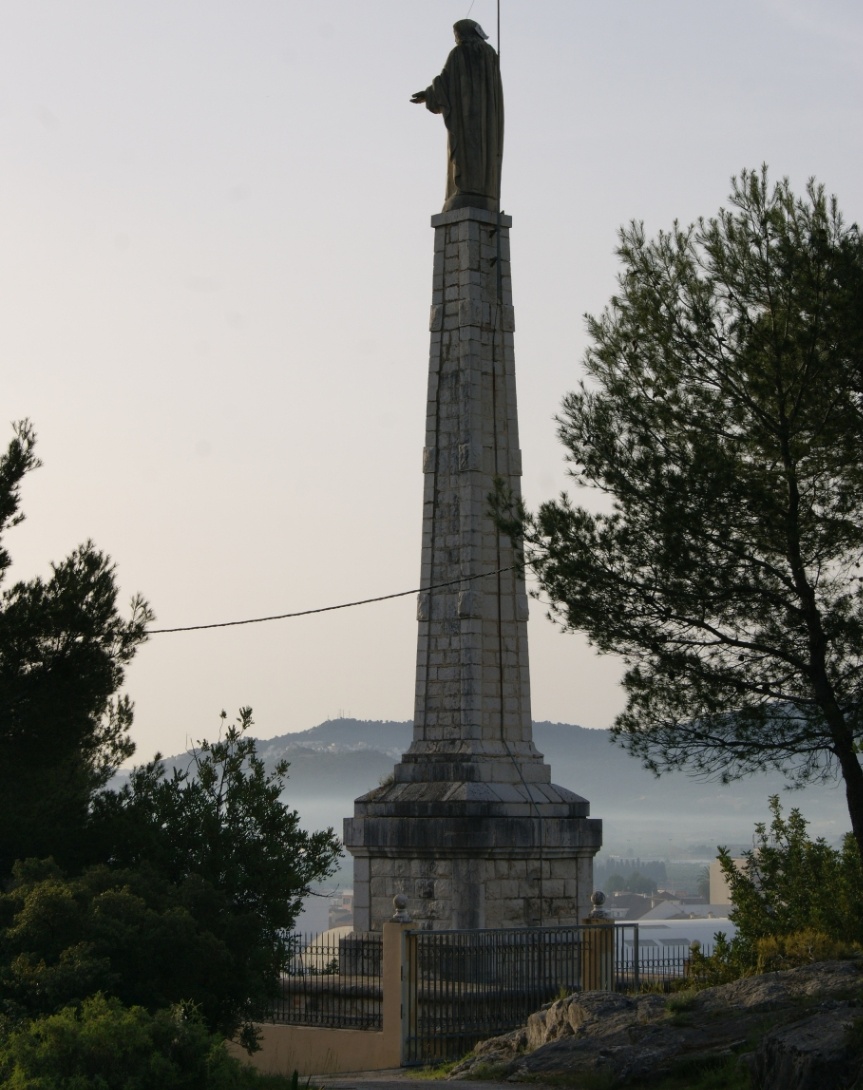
[(420, 96)]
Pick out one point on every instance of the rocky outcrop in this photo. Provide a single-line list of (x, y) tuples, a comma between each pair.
[(796, 1030), (811, 1054)]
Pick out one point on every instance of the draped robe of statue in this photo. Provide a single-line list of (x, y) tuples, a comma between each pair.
[(469, 95)]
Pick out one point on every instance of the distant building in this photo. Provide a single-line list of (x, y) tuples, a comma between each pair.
[(325, 910), (685, 910), (628, 906), (342, 908), (720, 894)]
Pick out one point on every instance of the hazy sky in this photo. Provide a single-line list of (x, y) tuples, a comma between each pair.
[(216, 273)]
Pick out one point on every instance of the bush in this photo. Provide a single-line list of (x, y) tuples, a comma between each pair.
[(721, 967), (103, 1045), (790, 883), (801, 948), (795, 901)]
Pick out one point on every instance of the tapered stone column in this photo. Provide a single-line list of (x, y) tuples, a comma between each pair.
[(471, 829)]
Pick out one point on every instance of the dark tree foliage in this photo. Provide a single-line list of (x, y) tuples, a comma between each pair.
[(120, 932), (63, 650), (236, 858), (221, 819), (722, 417), (206, 876), (176, 888)]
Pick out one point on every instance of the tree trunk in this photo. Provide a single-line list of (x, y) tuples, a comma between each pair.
[(852, 774)]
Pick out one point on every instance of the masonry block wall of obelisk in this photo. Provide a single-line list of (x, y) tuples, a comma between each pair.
[(471, 829)]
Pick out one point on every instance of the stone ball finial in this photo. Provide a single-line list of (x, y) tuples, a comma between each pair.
[(597, 899), (400, 904)]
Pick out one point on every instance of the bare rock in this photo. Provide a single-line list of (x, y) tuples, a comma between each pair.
[(825, 979), (812, 1054), (643, 1037)]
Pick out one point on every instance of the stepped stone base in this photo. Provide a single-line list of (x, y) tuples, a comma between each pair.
[(474, 853)]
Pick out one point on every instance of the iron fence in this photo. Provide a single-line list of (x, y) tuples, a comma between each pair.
[(468, 985), (463, 986), (642, 960), (333, 981)]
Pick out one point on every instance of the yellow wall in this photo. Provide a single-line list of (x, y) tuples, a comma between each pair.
[(319, 1050)]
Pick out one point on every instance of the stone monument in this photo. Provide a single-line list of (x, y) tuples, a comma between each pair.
[(471, 830)]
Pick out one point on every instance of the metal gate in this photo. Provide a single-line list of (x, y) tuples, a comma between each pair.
[(464, 986), (334, 981)]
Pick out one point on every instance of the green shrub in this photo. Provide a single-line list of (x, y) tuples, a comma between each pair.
[(103, 1045), (790, 883), (726, 963), (800, 948), (207, 874), (795, 901), (680, 1002)]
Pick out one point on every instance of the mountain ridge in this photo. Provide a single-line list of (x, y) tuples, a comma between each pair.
[(334, 762)]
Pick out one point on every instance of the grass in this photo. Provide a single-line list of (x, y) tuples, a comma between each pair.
[(720, 1073), (435, 1071), (681, 1001), (679, 1007), (491, 1071)]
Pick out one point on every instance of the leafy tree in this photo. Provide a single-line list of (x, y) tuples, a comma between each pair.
[(702, 884), (635, 882), (219, 835), (222, 820), (125, 933), (176, 888), (207, 876), (63, 650), (722, 417), (640, 883)]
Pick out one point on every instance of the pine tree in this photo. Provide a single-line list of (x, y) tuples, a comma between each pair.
[(64, 646), (722, 418)]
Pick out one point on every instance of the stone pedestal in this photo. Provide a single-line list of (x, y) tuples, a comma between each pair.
[(471, 829)]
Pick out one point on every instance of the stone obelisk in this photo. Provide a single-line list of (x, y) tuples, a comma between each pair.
[(471, 829)]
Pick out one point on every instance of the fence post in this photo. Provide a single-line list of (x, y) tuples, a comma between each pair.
[(597, 964), (395, 1012), (410, 988)]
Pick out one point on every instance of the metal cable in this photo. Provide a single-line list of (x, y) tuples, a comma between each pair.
[(324, 609)]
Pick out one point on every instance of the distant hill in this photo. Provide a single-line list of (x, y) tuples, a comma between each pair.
[(674, 815)]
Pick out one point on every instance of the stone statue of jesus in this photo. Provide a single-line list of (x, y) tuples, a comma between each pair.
[(469, 94)]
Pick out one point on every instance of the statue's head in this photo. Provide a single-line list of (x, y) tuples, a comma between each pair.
[(466, 30)]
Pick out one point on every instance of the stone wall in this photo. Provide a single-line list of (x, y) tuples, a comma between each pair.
[(508, 892)]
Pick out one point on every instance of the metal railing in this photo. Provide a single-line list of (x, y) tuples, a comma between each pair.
[(464, 986), (642, 961), (332, 981), (460, 987)]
